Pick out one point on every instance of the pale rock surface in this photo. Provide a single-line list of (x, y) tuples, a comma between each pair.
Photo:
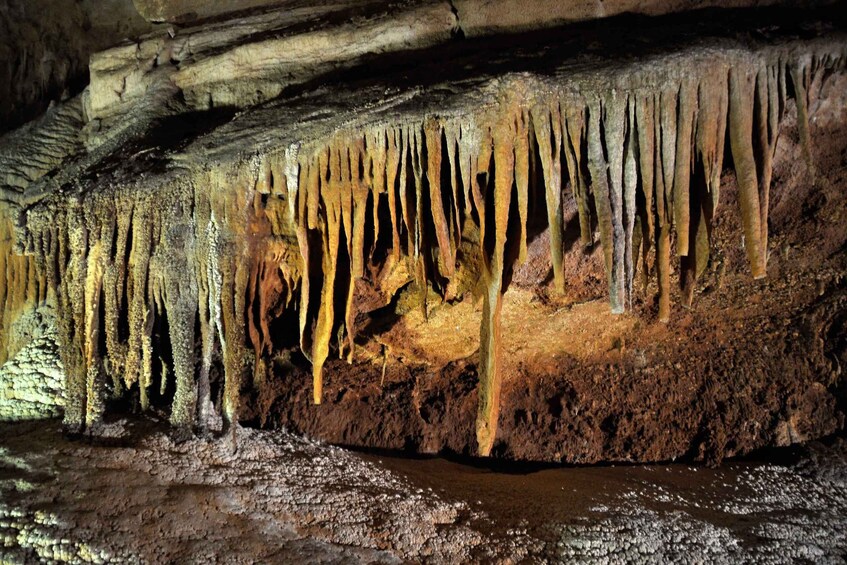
[(252, 58), (32, 382), (484, 17), (278, 498)]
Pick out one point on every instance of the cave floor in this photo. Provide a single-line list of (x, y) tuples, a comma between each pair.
[(140, 496)]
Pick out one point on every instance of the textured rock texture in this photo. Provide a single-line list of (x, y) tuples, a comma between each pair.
[(278, 498), (26, 155), (482, 17), (144, 498), (477, 16), (32, 382), (45, 45)]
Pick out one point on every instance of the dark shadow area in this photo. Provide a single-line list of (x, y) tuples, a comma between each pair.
[(624, 38)]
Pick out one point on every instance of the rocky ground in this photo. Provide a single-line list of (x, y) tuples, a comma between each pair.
[(141, 497), (277, 498)]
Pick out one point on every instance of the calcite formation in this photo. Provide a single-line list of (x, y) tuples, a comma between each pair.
[(32, 384), (22, 285), (25, 157), (176, 251)]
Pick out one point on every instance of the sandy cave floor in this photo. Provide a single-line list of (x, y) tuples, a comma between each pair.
[(285, 499)]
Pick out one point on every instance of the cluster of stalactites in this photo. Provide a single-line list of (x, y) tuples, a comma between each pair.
[(644, 167), (22, 285), (120, 259), (234, 247)]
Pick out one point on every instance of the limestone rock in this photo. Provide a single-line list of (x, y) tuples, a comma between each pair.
[(45, 46), (234, 192), (253, 58)]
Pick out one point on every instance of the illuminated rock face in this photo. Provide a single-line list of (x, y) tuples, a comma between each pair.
[(184, 245)]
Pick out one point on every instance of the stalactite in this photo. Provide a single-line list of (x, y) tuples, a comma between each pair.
[(204, 247), (682, 163), (308, 184), (393, 163), (602, 192), (614, 122), (574, 127), (767, 115), (668, 122), (741, 92), (711, 130), (480, 167), (21, 283), (181, 304), (93, 287), (800, 81), (234, 278), (116, 235), (664, 129), (72, 310), (470, 145), (406, 212), (432, 133), (548, 132), (630, 181), (420, 242), (359, 189), (490, 344), (713, 102), (646, 137), (522, 150), (331, 198), (377, 148), (451, 134)]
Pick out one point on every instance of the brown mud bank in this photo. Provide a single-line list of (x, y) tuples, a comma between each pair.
[(748, 365)]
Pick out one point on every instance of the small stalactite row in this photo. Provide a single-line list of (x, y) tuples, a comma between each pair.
[(233, 248)]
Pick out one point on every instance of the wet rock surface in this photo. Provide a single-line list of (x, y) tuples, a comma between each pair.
[(273, 497), (766, 514), (143, 497)]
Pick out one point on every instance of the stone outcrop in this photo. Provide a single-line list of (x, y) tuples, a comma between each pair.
[(484, 17), (477, 16)]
